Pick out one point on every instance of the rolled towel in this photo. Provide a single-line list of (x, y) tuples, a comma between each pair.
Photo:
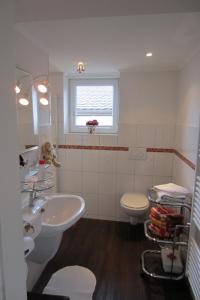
[(163, 195), (158, 223), (160, 213), (172, 189), (164, 192)]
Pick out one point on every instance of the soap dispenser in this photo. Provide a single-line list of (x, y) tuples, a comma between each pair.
[(41, 169)]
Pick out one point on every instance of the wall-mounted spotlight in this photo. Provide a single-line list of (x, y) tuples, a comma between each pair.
[(80, 67), (17, 87), (44, 101), (22, 80), (43, 86), (23, 100), (24, 84), (41, 83)]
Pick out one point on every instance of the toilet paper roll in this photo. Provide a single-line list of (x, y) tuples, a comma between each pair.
[(28, 245), (26, 268)]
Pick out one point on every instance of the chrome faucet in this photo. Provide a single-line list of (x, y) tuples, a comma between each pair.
[(32, 197), (34, 191)]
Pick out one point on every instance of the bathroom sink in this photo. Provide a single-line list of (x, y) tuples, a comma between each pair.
[(61, 212)]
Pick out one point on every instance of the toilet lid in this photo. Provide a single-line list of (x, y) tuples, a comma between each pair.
[(136, 201), (76, 282)]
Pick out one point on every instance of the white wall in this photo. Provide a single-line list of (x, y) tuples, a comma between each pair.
[(187, 125), (33, 59), (147, 119), (11, 238), (147, 108), (30, 57), (148, 97)]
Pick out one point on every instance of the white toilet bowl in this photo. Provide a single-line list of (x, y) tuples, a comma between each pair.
[(134, 205)]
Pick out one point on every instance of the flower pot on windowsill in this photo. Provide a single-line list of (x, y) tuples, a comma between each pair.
[(91, 128), (91, 125)]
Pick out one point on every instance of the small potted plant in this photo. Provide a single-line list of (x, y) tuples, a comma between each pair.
[(91, 125)]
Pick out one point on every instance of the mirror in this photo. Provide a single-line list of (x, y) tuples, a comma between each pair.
[(26, 109), (33, 108)]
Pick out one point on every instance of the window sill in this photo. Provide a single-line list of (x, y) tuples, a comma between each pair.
[(115, 134)]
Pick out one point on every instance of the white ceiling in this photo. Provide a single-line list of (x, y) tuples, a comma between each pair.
[(43, 10), (114, 44)]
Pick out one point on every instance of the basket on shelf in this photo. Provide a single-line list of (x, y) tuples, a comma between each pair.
[(164, 221)]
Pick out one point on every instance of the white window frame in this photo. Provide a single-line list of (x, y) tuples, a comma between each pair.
[(97, 82)]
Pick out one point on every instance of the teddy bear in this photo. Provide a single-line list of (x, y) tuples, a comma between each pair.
[(49, 155)]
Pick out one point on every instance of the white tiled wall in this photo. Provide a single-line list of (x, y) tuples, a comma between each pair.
[(187, 140), (145, 135), (146, 119), (187, 122), (103, 176), (183, 174)]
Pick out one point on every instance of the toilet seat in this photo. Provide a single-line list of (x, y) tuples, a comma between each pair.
[(134, 201)]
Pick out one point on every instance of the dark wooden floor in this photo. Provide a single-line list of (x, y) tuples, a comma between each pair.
[(111, 250)]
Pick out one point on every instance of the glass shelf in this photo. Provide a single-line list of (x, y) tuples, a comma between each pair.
[(37, 183), (152, 266), (37, 178), (34, 171), (38, 187)]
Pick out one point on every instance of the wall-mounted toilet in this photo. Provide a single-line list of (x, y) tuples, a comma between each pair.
[(134, 205)]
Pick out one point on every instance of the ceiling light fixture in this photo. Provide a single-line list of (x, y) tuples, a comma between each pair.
[(149, 54), (80, 67), (44, 101)]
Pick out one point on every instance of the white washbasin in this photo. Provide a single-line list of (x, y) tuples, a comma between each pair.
[(61, 212)]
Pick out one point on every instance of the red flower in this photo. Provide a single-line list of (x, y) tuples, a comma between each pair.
[(93, 123)]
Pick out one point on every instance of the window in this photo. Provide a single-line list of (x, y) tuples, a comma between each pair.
[(94, 99)]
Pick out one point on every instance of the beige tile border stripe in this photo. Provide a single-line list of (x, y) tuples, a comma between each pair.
[(176, 152), (160, 150), (117, 148), (185, 160), (109, 148)]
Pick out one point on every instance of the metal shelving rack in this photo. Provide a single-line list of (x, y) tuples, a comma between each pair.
[(155, 270)]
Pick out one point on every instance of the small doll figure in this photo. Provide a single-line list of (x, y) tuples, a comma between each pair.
[(49, 155)]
